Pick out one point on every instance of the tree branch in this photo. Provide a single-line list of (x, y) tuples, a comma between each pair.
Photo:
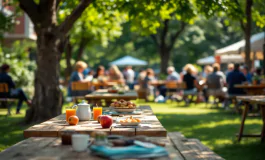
[(31, 8), (76, 13), (174, 37)]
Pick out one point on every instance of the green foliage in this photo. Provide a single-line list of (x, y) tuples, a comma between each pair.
[(96, 27), (7, 18), (21, 68)]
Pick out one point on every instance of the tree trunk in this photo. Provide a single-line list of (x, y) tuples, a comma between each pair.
[(164, 59), (47, 98), (68, 56), (264, 54), (248, 33)]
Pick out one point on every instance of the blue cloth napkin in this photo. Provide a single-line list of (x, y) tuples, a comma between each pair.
[(128, 152)]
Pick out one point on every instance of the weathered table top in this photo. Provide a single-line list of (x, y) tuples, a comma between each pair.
[(253, 99), (178, 147), (250, 86), (103, 94), (150, 126), (158, 82)]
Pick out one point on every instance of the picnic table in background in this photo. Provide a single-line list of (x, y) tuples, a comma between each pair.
[(176, 144), (259, 100), (150, 126), (158, 83), (252, 89), (103, 94)]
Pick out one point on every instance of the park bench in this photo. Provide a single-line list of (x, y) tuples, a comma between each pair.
[(178, 147), (5, 100), (80, 89), (173, 88)]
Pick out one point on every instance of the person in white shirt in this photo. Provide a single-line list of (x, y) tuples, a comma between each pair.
[(172, 74), (129, 77)]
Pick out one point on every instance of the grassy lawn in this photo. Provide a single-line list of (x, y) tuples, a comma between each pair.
[(216, 128)]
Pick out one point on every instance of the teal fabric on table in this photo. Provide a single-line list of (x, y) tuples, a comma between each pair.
[(128, 152)]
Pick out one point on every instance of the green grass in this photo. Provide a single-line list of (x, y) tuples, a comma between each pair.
[(216, 128)]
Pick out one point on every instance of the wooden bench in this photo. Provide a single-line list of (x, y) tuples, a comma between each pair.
[(178, 147), (5, 100), (80, 89)]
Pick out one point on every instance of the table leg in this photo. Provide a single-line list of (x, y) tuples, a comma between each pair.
[(262, 109), (244, 115)]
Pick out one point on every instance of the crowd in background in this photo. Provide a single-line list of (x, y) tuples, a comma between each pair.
[(211, 81)]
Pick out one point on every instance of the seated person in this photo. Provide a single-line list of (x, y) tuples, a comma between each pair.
[(233, 78), (215, 83), (141, 77), (230, 68), (150, 76), (115, 75), (190, 80), (247, 74), (77, 75), (90, 76), (172, 76), (100, 73), (13, 92)]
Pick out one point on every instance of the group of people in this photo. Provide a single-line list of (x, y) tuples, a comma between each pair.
[(214, 81), (84, 74), (211, 82)]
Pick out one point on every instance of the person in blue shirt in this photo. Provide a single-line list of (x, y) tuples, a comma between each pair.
[(77, 75), (247, 74), (16, 93), (233, 78)]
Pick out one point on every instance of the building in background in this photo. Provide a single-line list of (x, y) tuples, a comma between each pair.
[(22, 30)]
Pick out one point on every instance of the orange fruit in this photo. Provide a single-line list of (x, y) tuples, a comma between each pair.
[(73, 120)]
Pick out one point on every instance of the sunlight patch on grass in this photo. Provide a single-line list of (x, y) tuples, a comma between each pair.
[(227, 122)]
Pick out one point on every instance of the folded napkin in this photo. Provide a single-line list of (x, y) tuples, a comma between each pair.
[(128, 152)]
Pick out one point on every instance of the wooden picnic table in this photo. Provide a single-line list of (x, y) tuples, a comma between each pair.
[(252, 89), (102, 94), (158, 83), (178, 147), (150, 126), (260, 100), (98, 84)]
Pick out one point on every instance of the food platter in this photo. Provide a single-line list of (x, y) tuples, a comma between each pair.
[(123, 106), (129, 121)]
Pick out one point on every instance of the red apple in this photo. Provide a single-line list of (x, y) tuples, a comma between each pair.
[(106, 121)]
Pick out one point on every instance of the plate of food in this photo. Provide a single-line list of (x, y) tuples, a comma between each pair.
[(123, 106), (130, 121)]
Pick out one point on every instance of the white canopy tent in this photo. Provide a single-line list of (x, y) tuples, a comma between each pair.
[(128, 60), (232, 58), (224, 59), (231, 49), (256, 40)]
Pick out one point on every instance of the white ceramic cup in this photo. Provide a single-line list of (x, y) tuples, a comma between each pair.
[(80, 142)]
